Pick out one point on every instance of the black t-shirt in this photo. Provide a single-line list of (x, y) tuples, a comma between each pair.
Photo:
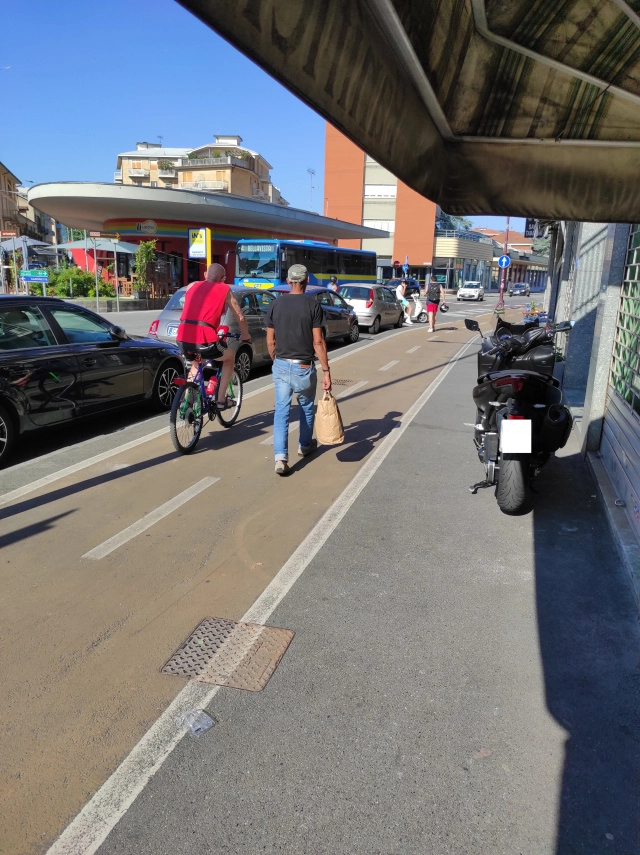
[(294, 317)]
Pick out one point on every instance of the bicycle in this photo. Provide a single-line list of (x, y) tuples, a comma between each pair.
[(197, 400)]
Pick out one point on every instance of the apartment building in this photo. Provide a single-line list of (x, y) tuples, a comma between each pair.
[(359, 190), (223, 166), (16, 214)]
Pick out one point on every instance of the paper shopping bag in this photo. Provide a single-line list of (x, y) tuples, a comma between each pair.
[(329, 429)]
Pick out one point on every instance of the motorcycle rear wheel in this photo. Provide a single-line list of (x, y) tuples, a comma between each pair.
[(513, 492)]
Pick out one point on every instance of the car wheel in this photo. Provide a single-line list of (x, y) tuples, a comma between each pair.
[(243, 364), (354, 334), (374, 329), (8, 435), (400, 321), (164, 389)]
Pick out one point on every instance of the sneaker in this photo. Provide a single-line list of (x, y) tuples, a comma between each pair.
[(431, 329), (408, 320), (306, 450), (282, 467)]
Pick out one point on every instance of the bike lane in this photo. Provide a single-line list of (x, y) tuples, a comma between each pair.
[(85, 637)]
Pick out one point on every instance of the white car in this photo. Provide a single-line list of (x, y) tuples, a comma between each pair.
[(471, 291)]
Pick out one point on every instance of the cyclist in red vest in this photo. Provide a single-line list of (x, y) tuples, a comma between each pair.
[(204, 304)]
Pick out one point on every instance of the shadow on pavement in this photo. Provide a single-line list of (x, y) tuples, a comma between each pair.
[(30, 530), (590, 648)]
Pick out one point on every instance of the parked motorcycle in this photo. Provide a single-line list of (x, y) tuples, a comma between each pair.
[(419, 315), (521, 419)]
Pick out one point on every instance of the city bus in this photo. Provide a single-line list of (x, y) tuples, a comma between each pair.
[(264, 263)]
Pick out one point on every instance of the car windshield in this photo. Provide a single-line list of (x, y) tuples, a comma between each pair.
[(261, 260), (354, 292)]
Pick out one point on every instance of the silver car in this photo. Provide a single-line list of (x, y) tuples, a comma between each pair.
[(253, 303), (375, 306)]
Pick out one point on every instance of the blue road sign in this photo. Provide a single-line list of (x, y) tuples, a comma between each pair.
[(504, 261)]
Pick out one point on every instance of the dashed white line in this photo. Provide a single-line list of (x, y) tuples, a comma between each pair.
[(150, 519), (351, 389), (413, 349), (389, 365)]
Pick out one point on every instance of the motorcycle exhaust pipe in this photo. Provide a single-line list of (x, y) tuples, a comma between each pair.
[(556, 428)]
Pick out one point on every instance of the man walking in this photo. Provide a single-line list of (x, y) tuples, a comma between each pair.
[(294, 334), (435, 293)]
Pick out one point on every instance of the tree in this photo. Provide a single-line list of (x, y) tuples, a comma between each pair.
[(145, 255), (453, 223), (541, 245)]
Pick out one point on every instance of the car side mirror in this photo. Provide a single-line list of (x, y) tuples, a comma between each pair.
[(564, 326), (119, 334), (472, 325)]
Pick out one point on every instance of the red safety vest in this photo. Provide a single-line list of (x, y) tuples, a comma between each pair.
[(204, 305)]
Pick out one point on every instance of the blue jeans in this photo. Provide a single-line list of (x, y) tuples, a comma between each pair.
[(289, 379)]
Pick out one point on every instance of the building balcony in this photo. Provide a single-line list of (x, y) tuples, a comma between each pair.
[(167, 173), (258, 192), (117, 176), (186, 162), (138, 173), (203, 185)]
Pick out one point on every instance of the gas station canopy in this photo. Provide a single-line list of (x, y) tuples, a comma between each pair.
[(525, 107)]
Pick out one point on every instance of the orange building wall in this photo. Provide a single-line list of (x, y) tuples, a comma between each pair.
[(343, 181), (415, 226)]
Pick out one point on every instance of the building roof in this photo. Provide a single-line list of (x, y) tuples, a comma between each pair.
[(520, 107), (3, 168), (87, 205)]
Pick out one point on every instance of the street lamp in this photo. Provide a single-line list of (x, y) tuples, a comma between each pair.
[(311, 172)]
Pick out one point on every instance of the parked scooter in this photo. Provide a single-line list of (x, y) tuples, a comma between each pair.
[(521, 419), (419, 315)]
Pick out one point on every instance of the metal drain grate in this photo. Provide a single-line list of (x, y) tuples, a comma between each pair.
[(228, 653), (341, 382)]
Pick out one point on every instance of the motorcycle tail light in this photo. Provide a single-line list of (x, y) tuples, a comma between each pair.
[(514, 416), (153, 329), (369, 302), (517, 383)]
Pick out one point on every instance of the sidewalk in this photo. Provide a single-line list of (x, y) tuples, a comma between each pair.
[(459, 682)]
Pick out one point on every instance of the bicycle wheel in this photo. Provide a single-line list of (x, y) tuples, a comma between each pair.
[(186, 418), (230, 416)]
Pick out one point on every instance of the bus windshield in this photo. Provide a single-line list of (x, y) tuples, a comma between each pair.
[(258, 260)]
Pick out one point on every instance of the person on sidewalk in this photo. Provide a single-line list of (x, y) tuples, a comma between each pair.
[(294, 334), (406, 306), (204, 304), (435, 293)]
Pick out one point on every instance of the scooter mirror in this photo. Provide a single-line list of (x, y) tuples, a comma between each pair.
[(472, 325), (564, 326)]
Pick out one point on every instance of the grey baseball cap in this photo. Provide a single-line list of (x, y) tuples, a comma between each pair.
[(297, 273)]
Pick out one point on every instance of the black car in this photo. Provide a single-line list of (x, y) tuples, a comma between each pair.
[(413, 287), (60, 362), (341, 320), (519, 288)]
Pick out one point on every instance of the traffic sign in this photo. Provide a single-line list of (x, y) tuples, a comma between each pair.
[(504, 261), (95, 234), (8, 233), (34, 275)]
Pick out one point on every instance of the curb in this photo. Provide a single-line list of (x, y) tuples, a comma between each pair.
[(621, 530)]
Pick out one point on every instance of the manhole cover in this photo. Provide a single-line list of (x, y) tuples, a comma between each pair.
[(228, 653), (341, 382)]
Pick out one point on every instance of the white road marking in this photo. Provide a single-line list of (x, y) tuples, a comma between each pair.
[(389, 365), (413, 349), (86, 833), (346, 392), (76, 467), (269, 440), (150, 519)]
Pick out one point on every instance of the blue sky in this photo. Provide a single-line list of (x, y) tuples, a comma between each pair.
[(90, 80)]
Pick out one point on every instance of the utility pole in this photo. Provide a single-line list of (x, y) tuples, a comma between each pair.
[(311, 172), (503, 272)]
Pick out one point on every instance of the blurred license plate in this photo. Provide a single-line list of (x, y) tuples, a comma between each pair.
[(172, 330), (515, 436)]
